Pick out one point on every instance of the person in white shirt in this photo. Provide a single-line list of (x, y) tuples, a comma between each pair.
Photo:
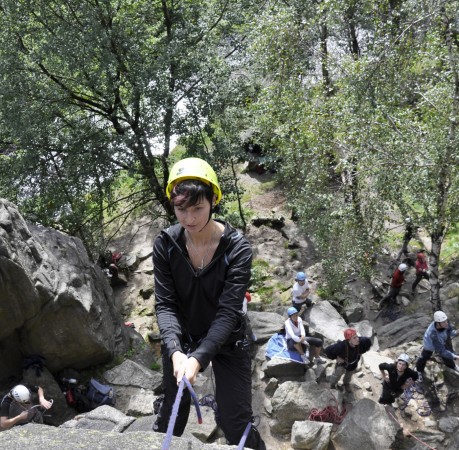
[(300, 293), (295, 334)]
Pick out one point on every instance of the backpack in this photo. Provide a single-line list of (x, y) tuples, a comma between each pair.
[(100, 394)]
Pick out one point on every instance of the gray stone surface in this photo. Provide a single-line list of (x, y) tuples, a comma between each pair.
[(55, 301), (41, 437), (366, 426), (406, 329)]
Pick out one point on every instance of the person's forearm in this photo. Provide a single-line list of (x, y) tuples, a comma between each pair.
[(6, 424)]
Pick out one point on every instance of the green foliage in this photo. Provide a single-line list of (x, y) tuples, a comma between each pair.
[(93, 94), (260, 273), (155, 366)]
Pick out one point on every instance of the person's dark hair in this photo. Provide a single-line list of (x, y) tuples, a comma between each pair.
[(188, 193)]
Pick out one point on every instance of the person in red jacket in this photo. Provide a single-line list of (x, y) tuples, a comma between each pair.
[(398, 278), (421, 269)]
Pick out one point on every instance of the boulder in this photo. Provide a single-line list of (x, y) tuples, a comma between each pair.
[(35, 436), (265, 324), (282, 368), (325, 320), (135, 387), (103, 418), (366, 426), (311, 435), (406, 329), (292, 402), (55, 302)]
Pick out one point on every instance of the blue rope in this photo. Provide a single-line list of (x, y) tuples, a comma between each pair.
[(170, 428), (244, 436), (195, 399), (175, 408)]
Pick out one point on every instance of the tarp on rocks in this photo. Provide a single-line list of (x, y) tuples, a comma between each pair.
[(277, 348)]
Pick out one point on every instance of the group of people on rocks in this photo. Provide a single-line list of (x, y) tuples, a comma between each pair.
[(396, 376), (202, 273), (398, 277)]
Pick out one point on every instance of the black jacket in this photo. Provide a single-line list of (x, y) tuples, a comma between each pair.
[(203, 308), (351, 355), (395, 382)]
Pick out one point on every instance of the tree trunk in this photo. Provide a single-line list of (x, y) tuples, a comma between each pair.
[(434, 259)]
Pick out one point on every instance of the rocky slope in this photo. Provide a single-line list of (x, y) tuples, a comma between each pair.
[(277, 241), (285, 394)]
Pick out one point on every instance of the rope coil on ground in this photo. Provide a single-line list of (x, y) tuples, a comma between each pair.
[(329, 414)]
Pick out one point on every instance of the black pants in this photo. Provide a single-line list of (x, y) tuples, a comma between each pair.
[(307, 303), (391, 295), (419, 277), (389, 395), (426, 355), (233, 386)]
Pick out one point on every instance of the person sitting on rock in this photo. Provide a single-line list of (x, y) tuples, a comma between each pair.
[(422, 269), (347, 354), (300, 293), (437, 338), (396, 378), (295, 334), (15, 406), (398, 278), (297, 338)]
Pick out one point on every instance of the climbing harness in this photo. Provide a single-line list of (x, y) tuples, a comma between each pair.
[(209, 400), (329, 414)]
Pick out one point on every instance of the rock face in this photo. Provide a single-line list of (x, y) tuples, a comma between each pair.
[(366, 426), (53, 300)]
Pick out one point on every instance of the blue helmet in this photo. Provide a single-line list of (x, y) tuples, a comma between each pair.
[(300, 276), (292, 310)]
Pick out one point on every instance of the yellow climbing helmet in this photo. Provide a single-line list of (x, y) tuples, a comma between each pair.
[(193, 169)]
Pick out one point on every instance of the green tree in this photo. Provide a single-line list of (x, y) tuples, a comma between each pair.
[(95, 89)]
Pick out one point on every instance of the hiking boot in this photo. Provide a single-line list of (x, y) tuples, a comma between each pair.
[(319, 360)]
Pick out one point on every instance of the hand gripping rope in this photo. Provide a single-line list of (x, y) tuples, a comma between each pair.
[(175, 408)]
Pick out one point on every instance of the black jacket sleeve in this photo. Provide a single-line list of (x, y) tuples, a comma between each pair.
[(335, 350)]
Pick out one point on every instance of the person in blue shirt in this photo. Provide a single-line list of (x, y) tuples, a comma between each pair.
[(436, 339)]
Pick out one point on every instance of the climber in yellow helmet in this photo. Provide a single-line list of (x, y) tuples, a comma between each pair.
[(202, 271)]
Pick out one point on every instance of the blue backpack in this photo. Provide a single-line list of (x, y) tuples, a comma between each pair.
[(100, 394)]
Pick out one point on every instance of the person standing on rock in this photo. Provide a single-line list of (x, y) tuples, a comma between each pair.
[(347, 354), (422, 269), (398, 278), (202, 268), (295, 334), (300, 293), (437, 338), (396, 378)]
